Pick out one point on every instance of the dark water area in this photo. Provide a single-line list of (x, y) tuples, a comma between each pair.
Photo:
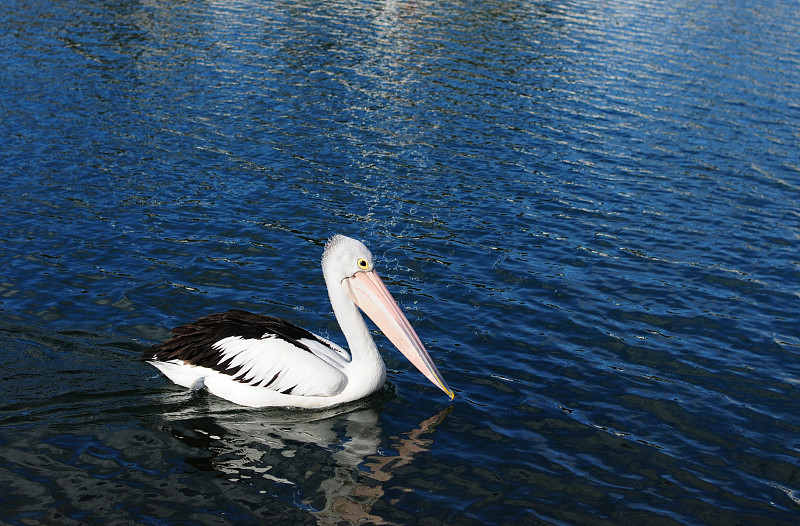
[(588, 210)]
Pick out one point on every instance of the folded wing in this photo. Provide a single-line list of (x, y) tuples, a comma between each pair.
[(259, 351)]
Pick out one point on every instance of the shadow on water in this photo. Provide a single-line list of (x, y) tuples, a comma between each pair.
[(332, 463)]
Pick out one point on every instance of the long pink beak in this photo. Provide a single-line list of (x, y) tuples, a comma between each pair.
[(367, 290)]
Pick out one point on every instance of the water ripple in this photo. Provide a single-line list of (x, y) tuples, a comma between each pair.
[(587, 210)]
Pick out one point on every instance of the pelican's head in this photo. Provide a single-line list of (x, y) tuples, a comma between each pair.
[(344, 257), (346, 262)]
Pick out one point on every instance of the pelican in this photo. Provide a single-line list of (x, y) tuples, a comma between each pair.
[(260, 361)]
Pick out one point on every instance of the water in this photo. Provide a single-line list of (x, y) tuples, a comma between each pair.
[(588, 210)]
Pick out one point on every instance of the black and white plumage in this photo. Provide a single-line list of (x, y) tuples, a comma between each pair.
[(257, 360)]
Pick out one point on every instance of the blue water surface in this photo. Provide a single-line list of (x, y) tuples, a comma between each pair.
[(587, 209)]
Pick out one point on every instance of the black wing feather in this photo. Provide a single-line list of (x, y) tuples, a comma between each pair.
[(193, 343)]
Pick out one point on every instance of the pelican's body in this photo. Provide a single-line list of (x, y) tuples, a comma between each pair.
[(259, 361)]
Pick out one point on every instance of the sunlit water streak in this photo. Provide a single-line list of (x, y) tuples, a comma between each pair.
[(587, 209)]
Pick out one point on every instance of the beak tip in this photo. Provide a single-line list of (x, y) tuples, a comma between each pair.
[(449, 393)]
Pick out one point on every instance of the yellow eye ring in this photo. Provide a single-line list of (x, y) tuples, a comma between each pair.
[(363, 264)]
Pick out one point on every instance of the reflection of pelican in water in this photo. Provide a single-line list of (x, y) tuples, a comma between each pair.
[(349, 500), (327, 462)]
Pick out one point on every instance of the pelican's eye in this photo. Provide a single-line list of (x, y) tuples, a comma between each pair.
[(363, 264)]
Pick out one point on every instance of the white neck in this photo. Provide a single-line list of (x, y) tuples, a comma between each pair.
[(366, 367)]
